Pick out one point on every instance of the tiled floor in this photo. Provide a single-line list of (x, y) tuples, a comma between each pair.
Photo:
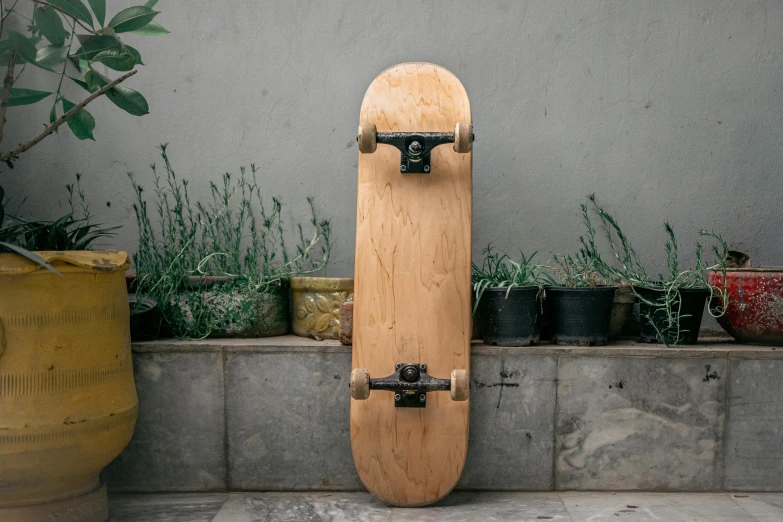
[(457, 507)]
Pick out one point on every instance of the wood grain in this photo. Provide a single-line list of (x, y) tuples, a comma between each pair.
[(412, 287)]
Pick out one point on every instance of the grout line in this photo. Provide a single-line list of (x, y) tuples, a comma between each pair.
[(227, 480), (724, 446), (554, 423)]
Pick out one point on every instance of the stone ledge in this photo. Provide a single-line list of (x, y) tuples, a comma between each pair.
[(709, 347)]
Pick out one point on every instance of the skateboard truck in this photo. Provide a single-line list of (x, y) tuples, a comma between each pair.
[(415, 147), (410, 384)]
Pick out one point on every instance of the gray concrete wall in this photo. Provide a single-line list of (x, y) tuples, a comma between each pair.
[(222, 415), (668, 110)]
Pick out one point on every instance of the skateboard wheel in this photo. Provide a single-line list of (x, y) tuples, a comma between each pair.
[(366, 138), (463, 137), (460, 385), (360, 384)]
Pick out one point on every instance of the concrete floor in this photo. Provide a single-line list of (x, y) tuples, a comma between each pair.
[(457, 507)]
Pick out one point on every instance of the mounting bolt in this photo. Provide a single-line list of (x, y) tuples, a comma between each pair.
[(415, 148), (426, 168), (397, 396), (403, 168), (422, 397), (423, 367), (410, 373)]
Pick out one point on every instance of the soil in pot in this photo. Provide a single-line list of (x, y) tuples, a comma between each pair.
[(581, 315), (510, 317), (690, 307)]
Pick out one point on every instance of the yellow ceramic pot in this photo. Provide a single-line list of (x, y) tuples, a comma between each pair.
[(68, 402), (315, 302)]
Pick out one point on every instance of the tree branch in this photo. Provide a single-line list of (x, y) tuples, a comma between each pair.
[(7, 83), (65, 117)]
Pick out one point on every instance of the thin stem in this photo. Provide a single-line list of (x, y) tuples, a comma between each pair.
[(7, 83), (65, 117)]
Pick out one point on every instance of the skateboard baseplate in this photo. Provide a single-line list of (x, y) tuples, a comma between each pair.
[(411, 329)]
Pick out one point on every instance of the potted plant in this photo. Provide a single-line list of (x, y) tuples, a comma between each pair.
[(671, 306), (508, 298), (68, 401), (221, 268), (581, 302)]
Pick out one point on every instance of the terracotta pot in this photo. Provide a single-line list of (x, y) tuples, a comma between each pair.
[(315, 305), (68, 402), (755, 311), (218, 307)]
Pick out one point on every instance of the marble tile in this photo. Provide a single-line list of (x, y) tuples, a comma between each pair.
[(351, 507), (754, 441), (287, 419), (642, 507), (165, 508), (511, 423), (640, 423), (761, 505), (179, 441)]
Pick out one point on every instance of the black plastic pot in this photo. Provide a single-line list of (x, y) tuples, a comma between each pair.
[(510, 318), (546, 319), (144, 320), (690, 307), (581, 315)]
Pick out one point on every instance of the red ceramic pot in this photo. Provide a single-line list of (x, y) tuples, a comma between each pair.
[(755, 311)]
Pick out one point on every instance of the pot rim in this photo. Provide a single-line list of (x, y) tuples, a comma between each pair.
[(321, 284), (756, 269), (583, 288), (505, 288), (102, 261)]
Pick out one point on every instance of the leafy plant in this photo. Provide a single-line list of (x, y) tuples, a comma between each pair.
[(238, 234), (498, 270), (67, 38), (577, 271), (628, 267), (73, 231)]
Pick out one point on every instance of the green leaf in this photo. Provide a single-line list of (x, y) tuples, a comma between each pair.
[(128, 100), (74, 8), (99, 8), (32, 256), (50, 24), (53, 116), (6, 46), (151, 3), (117, 59), (24, 47), (82, 123), (151, 29), (81, 83), (95, 80), (96, 45), (135, 54), (51, 55), (132, 18), (26, 96)]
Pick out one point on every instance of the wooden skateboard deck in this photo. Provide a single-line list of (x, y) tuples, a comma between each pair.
[(412, 287)]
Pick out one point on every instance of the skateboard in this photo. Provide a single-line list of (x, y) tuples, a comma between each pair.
[(411, 324)]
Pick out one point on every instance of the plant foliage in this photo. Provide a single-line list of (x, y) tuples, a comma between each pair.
[(623, 264), (238, 233), (498, 270)]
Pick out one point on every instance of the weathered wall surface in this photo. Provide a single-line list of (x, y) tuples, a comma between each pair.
[(667, 110)]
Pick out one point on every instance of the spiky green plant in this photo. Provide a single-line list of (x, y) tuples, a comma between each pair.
[(498, 270), (73, 231), (629, 268), (577, 271)]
